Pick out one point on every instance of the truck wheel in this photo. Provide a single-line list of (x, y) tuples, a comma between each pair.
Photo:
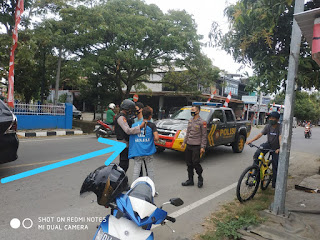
[(160, 149), (238, 145)]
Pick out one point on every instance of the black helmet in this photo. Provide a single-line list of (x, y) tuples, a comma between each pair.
[(107, 182), (128, 105), (275, 115)]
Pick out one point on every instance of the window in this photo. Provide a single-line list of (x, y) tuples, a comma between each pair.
[(218, 114), (229, 116), (185, 114)]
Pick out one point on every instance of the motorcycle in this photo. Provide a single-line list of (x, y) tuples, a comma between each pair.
[(103, 129), (134, 213), (307, 132)]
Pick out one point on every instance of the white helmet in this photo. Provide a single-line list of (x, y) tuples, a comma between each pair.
[(112, 105), (148, 181)]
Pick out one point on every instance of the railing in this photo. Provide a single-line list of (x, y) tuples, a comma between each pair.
[(37, 109)]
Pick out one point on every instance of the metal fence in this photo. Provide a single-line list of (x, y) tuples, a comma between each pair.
[(37, 109)]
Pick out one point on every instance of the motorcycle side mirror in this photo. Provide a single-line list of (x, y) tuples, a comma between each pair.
[(176, 201)]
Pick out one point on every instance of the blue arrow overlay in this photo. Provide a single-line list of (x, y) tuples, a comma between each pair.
[(116, 147)]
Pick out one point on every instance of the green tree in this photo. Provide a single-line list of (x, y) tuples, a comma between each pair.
[(131, 39), (306, 107), (259, 35)]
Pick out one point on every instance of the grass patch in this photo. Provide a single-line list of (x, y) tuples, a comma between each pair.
[(232, 216)]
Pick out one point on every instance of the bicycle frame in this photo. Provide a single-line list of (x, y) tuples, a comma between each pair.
[(263, 163)]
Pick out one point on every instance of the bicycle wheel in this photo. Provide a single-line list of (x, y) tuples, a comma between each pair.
[(248, 183), (267, 177)]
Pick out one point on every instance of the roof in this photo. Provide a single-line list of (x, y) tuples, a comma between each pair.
[(305, 21), (183, 94), (209, 107)]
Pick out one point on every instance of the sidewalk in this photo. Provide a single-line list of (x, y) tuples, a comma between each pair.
[(48, 132), (303, 218)]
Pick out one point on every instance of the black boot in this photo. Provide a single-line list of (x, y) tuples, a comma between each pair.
[(200, 181), (189, 182)]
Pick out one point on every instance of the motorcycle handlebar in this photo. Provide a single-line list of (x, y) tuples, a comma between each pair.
[(171, 219)]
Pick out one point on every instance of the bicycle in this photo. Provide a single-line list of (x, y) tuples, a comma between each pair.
[(251, 176)]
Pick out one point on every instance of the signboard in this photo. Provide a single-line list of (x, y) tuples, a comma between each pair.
[(266, 100), (231, 87), (255, 108), (249, 99), (135, 97)]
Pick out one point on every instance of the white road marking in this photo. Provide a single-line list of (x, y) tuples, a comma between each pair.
[(200, 202), (54, 139)]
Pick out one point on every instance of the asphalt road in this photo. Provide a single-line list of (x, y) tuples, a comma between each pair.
[(51, 199)]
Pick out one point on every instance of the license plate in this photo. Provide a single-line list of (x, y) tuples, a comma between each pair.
[(162, 142), (106, 236)]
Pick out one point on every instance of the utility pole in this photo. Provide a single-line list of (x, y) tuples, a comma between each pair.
[(259, 105), (278, 206)]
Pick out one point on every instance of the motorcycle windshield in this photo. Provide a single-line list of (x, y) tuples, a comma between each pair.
[(142, 191)]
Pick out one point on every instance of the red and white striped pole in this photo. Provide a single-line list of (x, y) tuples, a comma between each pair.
[(226, 103), (18, 12), (212, 95), (271, 107), (244, 111)]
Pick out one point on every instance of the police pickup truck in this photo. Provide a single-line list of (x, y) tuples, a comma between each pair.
[(223, 129)]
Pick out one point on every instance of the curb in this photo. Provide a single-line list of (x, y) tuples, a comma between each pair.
[(50, 133)]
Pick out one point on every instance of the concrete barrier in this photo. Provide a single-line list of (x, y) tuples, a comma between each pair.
[(86, 126)]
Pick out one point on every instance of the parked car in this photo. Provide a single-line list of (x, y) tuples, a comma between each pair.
[(76, 113), (9, 141)]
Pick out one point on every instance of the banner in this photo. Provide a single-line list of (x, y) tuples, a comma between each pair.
[(18, 12)]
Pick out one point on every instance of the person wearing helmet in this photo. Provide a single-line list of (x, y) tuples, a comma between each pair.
[(110, 114), (107, 182), (273, 132), (123, 129)]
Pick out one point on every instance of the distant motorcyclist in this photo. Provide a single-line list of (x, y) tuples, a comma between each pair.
[(307, 130), (123, 123), (110, 114), (273, 132)]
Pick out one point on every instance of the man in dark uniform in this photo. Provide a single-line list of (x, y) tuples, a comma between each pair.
[(273, 132), (196, 140), (123, 129)]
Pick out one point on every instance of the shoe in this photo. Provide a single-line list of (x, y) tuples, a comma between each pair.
[(200, 182), (189, 182)]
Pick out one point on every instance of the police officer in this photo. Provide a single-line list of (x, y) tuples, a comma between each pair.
[(196, 140), (123, 129)]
